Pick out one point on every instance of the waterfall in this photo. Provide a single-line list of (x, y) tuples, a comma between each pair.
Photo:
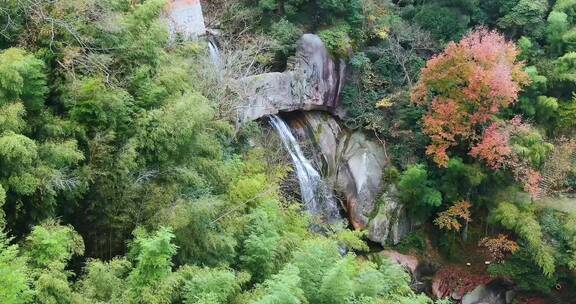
[(214, 54), (317, 198)]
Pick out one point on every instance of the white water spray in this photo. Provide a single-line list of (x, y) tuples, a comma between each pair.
[(316, 196), (215, 55)]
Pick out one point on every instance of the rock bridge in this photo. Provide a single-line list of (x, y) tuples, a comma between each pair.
[(313, 83)]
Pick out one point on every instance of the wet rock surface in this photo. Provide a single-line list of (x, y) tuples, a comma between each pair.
[(353, 164), (350, 162)]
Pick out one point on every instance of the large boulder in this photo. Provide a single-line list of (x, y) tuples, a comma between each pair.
[(314, 83), (420, 270), (498, 291), (409, 262)]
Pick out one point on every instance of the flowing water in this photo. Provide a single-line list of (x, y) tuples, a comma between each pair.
[(215, 54), (316, 196)]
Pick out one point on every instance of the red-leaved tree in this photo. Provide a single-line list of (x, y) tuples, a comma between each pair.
[(501, 148), (465, 86)]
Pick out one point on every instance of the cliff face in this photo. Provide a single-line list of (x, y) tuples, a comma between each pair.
[(353, 165)]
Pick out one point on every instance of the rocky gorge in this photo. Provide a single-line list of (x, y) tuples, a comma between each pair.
[(352, 163)]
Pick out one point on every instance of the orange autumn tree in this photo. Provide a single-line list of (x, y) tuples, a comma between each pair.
[(465, 86), (498, 247), (450, 219)]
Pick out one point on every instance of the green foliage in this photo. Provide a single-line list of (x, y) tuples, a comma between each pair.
[(566, 6), (11, 117), (259, 248), (567, 115), (417, 190), (526, 17), (531, 145), (313, 260), (153, 256), (394, 279), (14, 274), (317, 268), (546, 110), (557, 26), (338, 285), (521, 268), (210, 285), (526, 47), (413, 241), (60, 154), (51, 245), (565, 70), (2, 202), (22, 78), (284, 288), (459, 180), (352, 239), (52, 287), (285, 33), (337, 41), (17, 151), (103, 125), (99, 108), (145, 35), (200, 238), (444, 23), (524, 223), (104, 281), (250, 189)]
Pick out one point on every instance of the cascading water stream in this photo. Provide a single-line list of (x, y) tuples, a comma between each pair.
[(215, 54), (316, 196)]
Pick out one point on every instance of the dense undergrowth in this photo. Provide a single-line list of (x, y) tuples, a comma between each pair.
[(124, 180)]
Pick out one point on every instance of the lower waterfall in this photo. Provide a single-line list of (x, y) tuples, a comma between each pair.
[(317, 198)]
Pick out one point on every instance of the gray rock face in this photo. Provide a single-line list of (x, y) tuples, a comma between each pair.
[(314, 83), (391, 223), (185, 18), (350, 162), (495, 292)]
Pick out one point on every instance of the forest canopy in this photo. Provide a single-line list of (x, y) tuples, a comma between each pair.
[(125, 178)]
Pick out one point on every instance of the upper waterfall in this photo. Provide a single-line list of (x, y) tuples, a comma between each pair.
[(316, 196), (215, 54)]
